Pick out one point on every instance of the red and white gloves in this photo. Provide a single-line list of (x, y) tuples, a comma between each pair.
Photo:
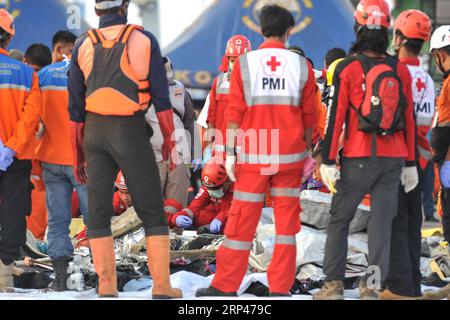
[(77, 136), (165, 119)]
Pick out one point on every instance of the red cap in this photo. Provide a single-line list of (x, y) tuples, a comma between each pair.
[(373, 13), (214, 173), (120, 182), (414, 24), (237, 46), (7, 22)]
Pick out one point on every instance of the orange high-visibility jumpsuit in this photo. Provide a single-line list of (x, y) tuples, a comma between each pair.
[(273, 93)]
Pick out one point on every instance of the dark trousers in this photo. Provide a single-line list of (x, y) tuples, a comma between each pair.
[(404, 269), (15, 205), (115, 143), (445, 198), (380, 177), (427, 190)]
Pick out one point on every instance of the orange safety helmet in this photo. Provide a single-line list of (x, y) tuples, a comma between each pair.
[(237, 46), (414, 24), (373, 13), (214, 174), (7, 22), (120, 182)]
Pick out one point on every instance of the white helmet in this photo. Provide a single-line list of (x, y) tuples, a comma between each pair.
[(440, 38)]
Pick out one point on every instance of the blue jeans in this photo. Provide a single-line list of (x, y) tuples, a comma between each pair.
[(59, 183), (427, 190)]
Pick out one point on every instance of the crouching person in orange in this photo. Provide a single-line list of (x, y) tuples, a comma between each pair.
[(280, 118), (211, 205), (122, 198)]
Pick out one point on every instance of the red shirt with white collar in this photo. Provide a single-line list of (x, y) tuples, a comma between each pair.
[(424, 106)]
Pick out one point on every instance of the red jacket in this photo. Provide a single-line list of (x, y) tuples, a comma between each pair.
[(273, 91), (348, 83), (203, 209), (119, 206), (424, 98), (218, 101)]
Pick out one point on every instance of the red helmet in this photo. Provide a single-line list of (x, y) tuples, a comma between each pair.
[(237, 46), (373, 13), (7, 22), (414, 24), (120, 182), (214, 173), (172, 206)]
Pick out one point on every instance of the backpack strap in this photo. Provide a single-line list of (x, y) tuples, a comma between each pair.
[(366, 63), (126, 32), (96, 36)]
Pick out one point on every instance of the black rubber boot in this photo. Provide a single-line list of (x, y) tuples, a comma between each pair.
[(60, 266), (213, 292)]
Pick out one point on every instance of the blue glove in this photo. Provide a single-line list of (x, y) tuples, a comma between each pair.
[(6, 157), (183, 222), (215, 226), (207, 155), (196, 165), (445, 174)]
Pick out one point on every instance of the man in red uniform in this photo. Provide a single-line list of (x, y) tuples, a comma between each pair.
[(218, 97), (372, 96), (272, 102), (211, 205), (412, 29)]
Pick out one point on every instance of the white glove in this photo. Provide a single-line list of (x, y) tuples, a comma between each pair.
[(409, 178), (330, 174), (230, 163)]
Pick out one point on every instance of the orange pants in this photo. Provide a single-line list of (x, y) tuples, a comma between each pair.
[(37, 221), (243, 218)]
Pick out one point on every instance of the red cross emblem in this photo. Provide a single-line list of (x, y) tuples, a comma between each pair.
[(273, 63), (420, 85)]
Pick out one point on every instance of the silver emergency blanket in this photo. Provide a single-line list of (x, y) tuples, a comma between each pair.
[(310, 249), (316, 211)]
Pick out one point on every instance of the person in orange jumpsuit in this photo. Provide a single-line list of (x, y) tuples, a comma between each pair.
[(211, 204), (218, 97), (19, 114), (272, 102)]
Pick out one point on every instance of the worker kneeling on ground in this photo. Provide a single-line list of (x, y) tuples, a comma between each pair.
[(211, 205), (272, 102), (116, 72)]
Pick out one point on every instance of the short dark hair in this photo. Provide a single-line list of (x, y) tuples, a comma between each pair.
[(446, 50), (334, 54), (298, 50), (38, 54), (65, 37), (369, 39), (4, 36), (413, 45), (275, 21)]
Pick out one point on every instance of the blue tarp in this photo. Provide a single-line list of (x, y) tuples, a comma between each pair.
[(38, 20), (197, 53)]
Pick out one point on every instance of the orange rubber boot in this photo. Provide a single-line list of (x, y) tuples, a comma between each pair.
[(159, 266), (102, 250)]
